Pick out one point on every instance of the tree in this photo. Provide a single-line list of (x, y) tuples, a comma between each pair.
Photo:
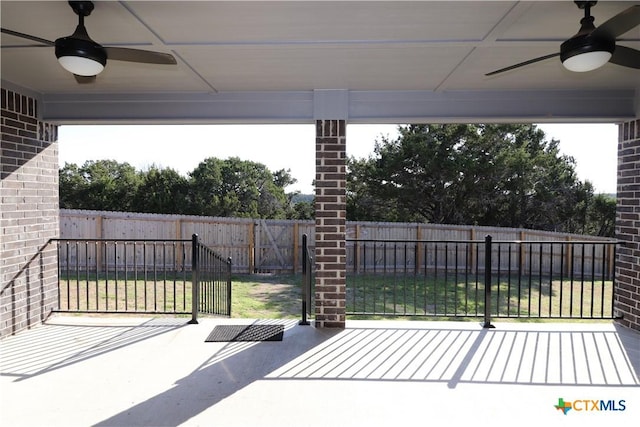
[(71, 184), (230, 187), (499, 175), (162, 191), (601, 216), (101, 185), (234, 187)]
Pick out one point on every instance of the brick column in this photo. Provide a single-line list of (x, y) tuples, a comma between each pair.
[(29, 214), (627, 295), (330, 290)]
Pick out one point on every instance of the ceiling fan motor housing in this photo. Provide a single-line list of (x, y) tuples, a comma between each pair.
[(79, 48)]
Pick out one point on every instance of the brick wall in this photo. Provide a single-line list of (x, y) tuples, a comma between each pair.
[(627, 296), (331, 204), (29, 214)]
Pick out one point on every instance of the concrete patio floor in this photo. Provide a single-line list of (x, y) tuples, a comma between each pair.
[(123, 371)]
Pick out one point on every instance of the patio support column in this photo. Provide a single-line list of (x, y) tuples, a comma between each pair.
[(330, 233), (627, 293), (29, 214)]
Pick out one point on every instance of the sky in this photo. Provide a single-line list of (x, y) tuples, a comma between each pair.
[(183, 147)]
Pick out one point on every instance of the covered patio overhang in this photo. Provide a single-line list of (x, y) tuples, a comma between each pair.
[(322, 63)]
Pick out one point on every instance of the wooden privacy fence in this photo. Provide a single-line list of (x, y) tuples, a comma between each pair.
[(266, 246), (255, 246)]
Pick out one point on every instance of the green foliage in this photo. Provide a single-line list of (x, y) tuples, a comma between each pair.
[(601, 216), (495, 175), (103, 184), (303, 210), (162, 191), (234, 187), (230, 187)]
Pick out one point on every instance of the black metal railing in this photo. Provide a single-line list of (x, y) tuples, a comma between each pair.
[(536, 279), (211, 281), (307, 281), (159, 276), (123, 276)]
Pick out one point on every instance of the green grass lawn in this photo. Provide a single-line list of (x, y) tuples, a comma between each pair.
[(376, 295), (125, 294), (368, 296), (253, 296), (266, 296)]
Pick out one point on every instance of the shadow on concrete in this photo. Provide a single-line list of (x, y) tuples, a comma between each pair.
[(454, 356), (54, 345), (235, 366), (579, 358)]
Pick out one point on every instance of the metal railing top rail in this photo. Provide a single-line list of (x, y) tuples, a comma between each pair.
[(210, 252), (121, 240), (547, 242)]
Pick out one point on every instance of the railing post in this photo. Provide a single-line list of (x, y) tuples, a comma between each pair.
[(195, 265), (487, 282), (305, 272), (229, 265)]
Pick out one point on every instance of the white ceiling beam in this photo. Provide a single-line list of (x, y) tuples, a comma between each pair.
[(355, 106)]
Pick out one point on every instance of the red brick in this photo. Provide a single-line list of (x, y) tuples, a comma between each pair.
[(627, 299), (29, 215), (330, 223)]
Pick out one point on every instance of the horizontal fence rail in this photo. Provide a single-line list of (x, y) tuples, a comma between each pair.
[(124, 276), (481, 278)]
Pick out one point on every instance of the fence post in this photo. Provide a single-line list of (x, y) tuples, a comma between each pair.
[(305, 272), (487, 282), (194, 279)]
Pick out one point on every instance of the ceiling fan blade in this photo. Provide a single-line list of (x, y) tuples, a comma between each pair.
[(84, 79), (619, 24), (138, 55), (626, 56), (27, 36), (522, 64)]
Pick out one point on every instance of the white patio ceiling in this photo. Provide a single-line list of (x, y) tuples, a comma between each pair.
[(293, 62)]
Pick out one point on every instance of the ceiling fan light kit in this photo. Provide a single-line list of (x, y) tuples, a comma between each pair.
[(80, 57), (581, 55)]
